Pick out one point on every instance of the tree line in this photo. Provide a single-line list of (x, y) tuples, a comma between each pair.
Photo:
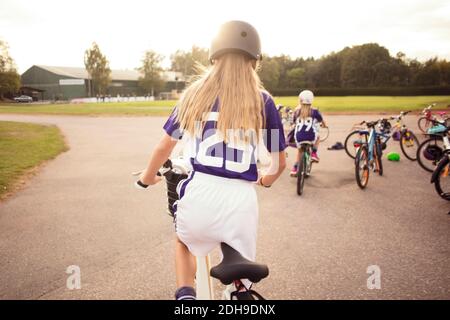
[(367, 66), (358, 69)]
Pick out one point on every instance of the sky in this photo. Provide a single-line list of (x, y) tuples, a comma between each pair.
[(57, 32)]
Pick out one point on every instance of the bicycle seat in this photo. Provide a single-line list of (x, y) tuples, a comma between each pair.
[(442, 113), (363, 132), (234, 267)]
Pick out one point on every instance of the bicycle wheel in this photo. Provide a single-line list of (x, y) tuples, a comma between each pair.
[(301, 173), (424, 124), (349, 143), (323, 133), (442, 179), (362, 167), (378, 158), (429, 160), (409, 144)]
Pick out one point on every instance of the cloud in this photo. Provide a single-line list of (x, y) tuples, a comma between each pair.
[(57, 32)]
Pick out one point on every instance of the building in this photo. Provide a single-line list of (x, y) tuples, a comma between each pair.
[(65, 83)]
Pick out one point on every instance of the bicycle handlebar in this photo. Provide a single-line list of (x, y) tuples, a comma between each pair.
[(437, 122), (428, 107)]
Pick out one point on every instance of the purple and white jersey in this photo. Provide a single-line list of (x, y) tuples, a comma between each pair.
[(307, 129), (210, 154)]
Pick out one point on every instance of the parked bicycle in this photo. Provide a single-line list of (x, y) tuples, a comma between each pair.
[(431, 150), (233, 266), (440, 176), (286, 116), (427, 117), (399, 132), (369, 153)]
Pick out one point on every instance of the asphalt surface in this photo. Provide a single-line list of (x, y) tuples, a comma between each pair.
[(82, 209)]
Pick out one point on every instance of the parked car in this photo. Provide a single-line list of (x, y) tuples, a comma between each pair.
[(23, 98)]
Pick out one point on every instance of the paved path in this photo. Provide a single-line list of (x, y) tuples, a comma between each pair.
[(83, 210)]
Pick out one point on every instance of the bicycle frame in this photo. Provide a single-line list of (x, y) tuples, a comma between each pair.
[(306, 153), (446, 142), (370, 140), (428, 113), (204, 281), (204, 284)]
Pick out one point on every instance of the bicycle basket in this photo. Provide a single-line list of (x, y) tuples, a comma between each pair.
[(436, 129)]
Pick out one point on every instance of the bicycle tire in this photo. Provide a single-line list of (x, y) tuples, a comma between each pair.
[(362, 156), (402, 144), (423, 124), (351, 147), (437, 182), (378, 158), (425, 163), (301, 173)]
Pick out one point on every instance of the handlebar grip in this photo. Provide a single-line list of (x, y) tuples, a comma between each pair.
[(167, 164), (139, 185)]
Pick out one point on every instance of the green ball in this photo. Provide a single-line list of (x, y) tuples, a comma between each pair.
[(393, 156)]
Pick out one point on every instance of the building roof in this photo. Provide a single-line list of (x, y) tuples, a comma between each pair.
[(81, 73), (130, 75)]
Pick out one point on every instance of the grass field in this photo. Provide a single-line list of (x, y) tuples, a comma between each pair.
[(24, 146), (161, 108)]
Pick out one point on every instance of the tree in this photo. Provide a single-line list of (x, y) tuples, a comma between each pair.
[(296, 78), (270, 73), (9, 78), (151, 80), (98, 69), (329, 71), (185, 61), (428, 73), (357, 69)]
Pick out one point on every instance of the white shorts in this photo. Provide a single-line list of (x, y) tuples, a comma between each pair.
[(212, 210)]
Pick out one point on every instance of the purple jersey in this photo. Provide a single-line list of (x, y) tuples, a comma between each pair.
[(306, 129), (234, 160)]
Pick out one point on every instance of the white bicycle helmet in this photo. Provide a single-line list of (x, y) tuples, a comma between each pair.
[(306, 97)]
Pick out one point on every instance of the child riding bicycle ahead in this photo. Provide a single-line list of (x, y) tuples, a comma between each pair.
[(306, 121), (221, 115)]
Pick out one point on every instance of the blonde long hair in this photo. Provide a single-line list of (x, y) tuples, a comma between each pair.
[(305, 110), (232, 80)]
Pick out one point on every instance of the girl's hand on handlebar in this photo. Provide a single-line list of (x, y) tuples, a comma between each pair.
[(149, 180)]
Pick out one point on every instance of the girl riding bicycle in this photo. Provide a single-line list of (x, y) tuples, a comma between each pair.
[(306, 121), (225, 116)]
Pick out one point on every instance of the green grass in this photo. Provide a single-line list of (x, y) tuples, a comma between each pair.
[(152, 108), (24, 146), (370, 103), (163, 108)]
